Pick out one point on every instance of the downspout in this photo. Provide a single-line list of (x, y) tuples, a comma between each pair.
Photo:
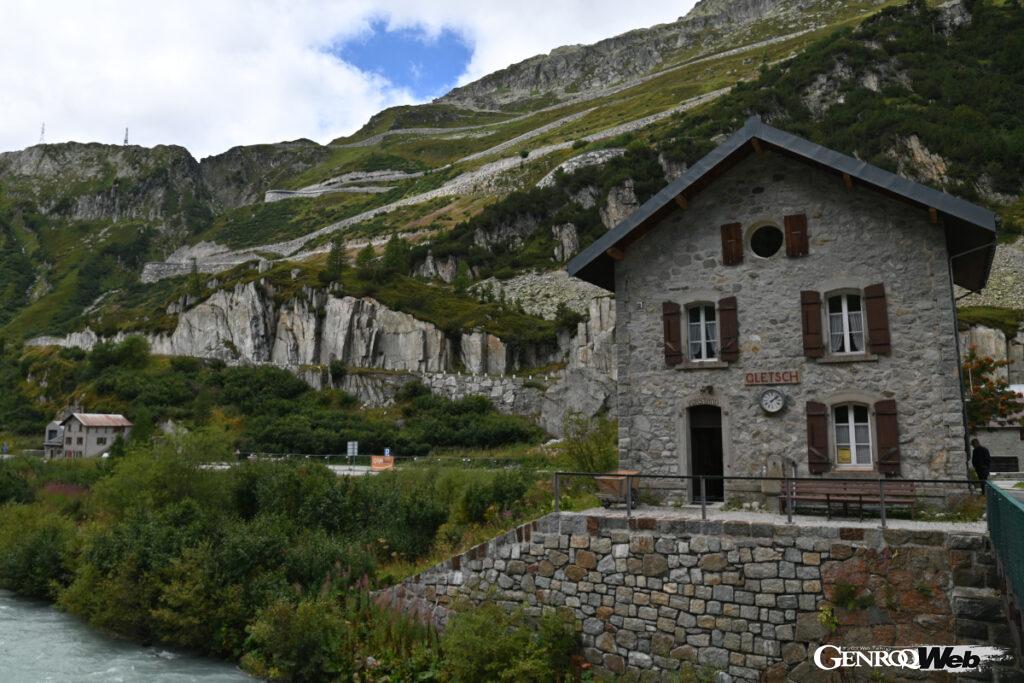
[(956, 338)]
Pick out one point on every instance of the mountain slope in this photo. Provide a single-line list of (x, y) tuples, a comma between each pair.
[(933, 94)]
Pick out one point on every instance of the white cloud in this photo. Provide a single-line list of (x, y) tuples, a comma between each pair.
[(212, 74)]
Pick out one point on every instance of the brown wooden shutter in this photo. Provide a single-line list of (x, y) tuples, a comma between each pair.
[(728, 330), (810, 313), (888, 430), (796, 235), (818, 460), (673, 333), (732, 244), (878, 319)]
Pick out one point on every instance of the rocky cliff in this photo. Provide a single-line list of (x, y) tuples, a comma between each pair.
[(573, 69), (161, 185)]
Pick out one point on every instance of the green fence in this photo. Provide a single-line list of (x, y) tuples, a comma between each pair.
[(1006, 528)]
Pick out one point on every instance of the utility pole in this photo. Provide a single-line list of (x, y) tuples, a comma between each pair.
[(126, 135), (42, 133)]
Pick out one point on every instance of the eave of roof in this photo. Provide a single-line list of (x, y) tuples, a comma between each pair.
[(100, 420), (595, 265)]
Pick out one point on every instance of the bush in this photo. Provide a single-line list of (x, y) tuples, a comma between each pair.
[(590, 445), (34, 549), (304, 641), (489, 643)]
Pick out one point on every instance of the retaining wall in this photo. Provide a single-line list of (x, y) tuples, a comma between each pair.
[(655, 595)]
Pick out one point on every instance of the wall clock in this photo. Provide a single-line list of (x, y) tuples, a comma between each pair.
[(772, 400)]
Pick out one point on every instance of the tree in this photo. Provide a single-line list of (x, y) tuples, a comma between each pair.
[(989, 397), (462, 277), (397, 255), (337, 261), (366, 262)]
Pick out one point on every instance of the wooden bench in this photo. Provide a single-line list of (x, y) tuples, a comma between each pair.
[(382, 463), (900, 493)]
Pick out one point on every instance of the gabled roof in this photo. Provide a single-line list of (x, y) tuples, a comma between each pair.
[(969, 229), (99, 420)]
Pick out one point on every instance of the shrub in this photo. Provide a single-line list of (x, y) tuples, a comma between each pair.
[(34, 549), (304, 641), (590, 445), (489, 643)]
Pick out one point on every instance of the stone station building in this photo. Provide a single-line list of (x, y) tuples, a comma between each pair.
[(781, 304)]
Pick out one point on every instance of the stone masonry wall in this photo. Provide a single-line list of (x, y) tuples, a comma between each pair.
[(657, 595), (857, 238)]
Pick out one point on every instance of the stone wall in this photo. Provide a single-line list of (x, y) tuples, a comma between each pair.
[(743, 598), (857, 238)]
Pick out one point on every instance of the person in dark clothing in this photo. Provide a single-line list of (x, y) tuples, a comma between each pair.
[(981, 459)]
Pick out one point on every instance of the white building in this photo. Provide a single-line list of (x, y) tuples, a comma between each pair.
[(90, 434)]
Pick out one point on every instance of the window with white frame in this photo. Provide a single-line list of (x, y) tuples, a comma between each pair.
[(853, 435), (845, 324), (702, 332)]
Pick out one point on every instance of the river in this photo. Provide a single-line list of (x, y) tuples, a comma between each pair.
[(40, 643)]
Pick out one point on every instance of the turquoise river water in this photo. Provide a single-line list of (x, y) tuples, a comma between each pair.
[(40, 643)]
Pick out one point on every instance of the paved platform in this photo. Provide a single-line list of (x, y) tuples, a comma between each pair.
[(716, 514)]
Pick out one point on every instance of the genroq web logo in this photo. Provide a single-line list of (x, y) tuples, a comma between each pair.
[(951, 658)]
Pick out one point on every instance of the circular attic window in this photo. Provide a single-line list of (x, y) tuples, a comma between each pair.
[(766, 241)]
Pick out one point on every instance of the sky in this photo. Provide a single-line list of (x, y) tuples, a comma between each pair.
[(212, 74)]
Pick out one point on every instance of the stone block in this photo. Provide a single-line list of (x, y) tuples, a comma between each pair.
[(808, 628), (579, 541), (715, 657), (794, 653), (714, 562), (593, 627), (515, 567), (983, 604), (557, 558), (761, 570), (575, 573), (615, 663), (654, 564), (640, 660), (601, 546), (586, 559), (641, 544)]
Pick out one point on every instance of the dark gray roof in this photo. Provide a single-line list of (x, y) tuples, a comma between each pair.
[(968, 227)]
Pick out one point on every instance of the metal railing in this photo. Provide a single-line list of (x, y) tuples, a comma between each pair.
[(787, 488), (1005, 510)]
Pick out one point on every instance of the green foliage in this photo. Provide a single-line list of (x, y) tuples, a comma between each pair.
[(33, 545), (337, 261), (490, 643), (849, 597), (989, 397), (590, 445)]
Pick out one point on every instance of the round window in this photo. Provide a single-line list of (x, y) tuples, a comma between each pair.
[(766, 241)]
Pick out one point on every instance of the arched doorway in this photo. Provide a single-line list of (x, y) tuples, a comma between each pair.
[(705, 424)]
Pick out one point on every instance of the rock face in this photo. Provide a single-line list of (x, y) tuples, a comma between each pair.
[(242, 175), (574, 68), (595, 158), (541, 293), (621, 202), (444, 268), (504, 235), (112, 182), (567, 241)]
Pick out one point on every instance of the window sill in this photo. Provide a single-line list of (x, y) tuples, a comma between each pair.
[(849, 358), (702, 365)]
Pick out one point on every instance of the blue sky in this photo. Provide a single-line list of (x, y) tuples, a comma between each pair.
[(410, 58)]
